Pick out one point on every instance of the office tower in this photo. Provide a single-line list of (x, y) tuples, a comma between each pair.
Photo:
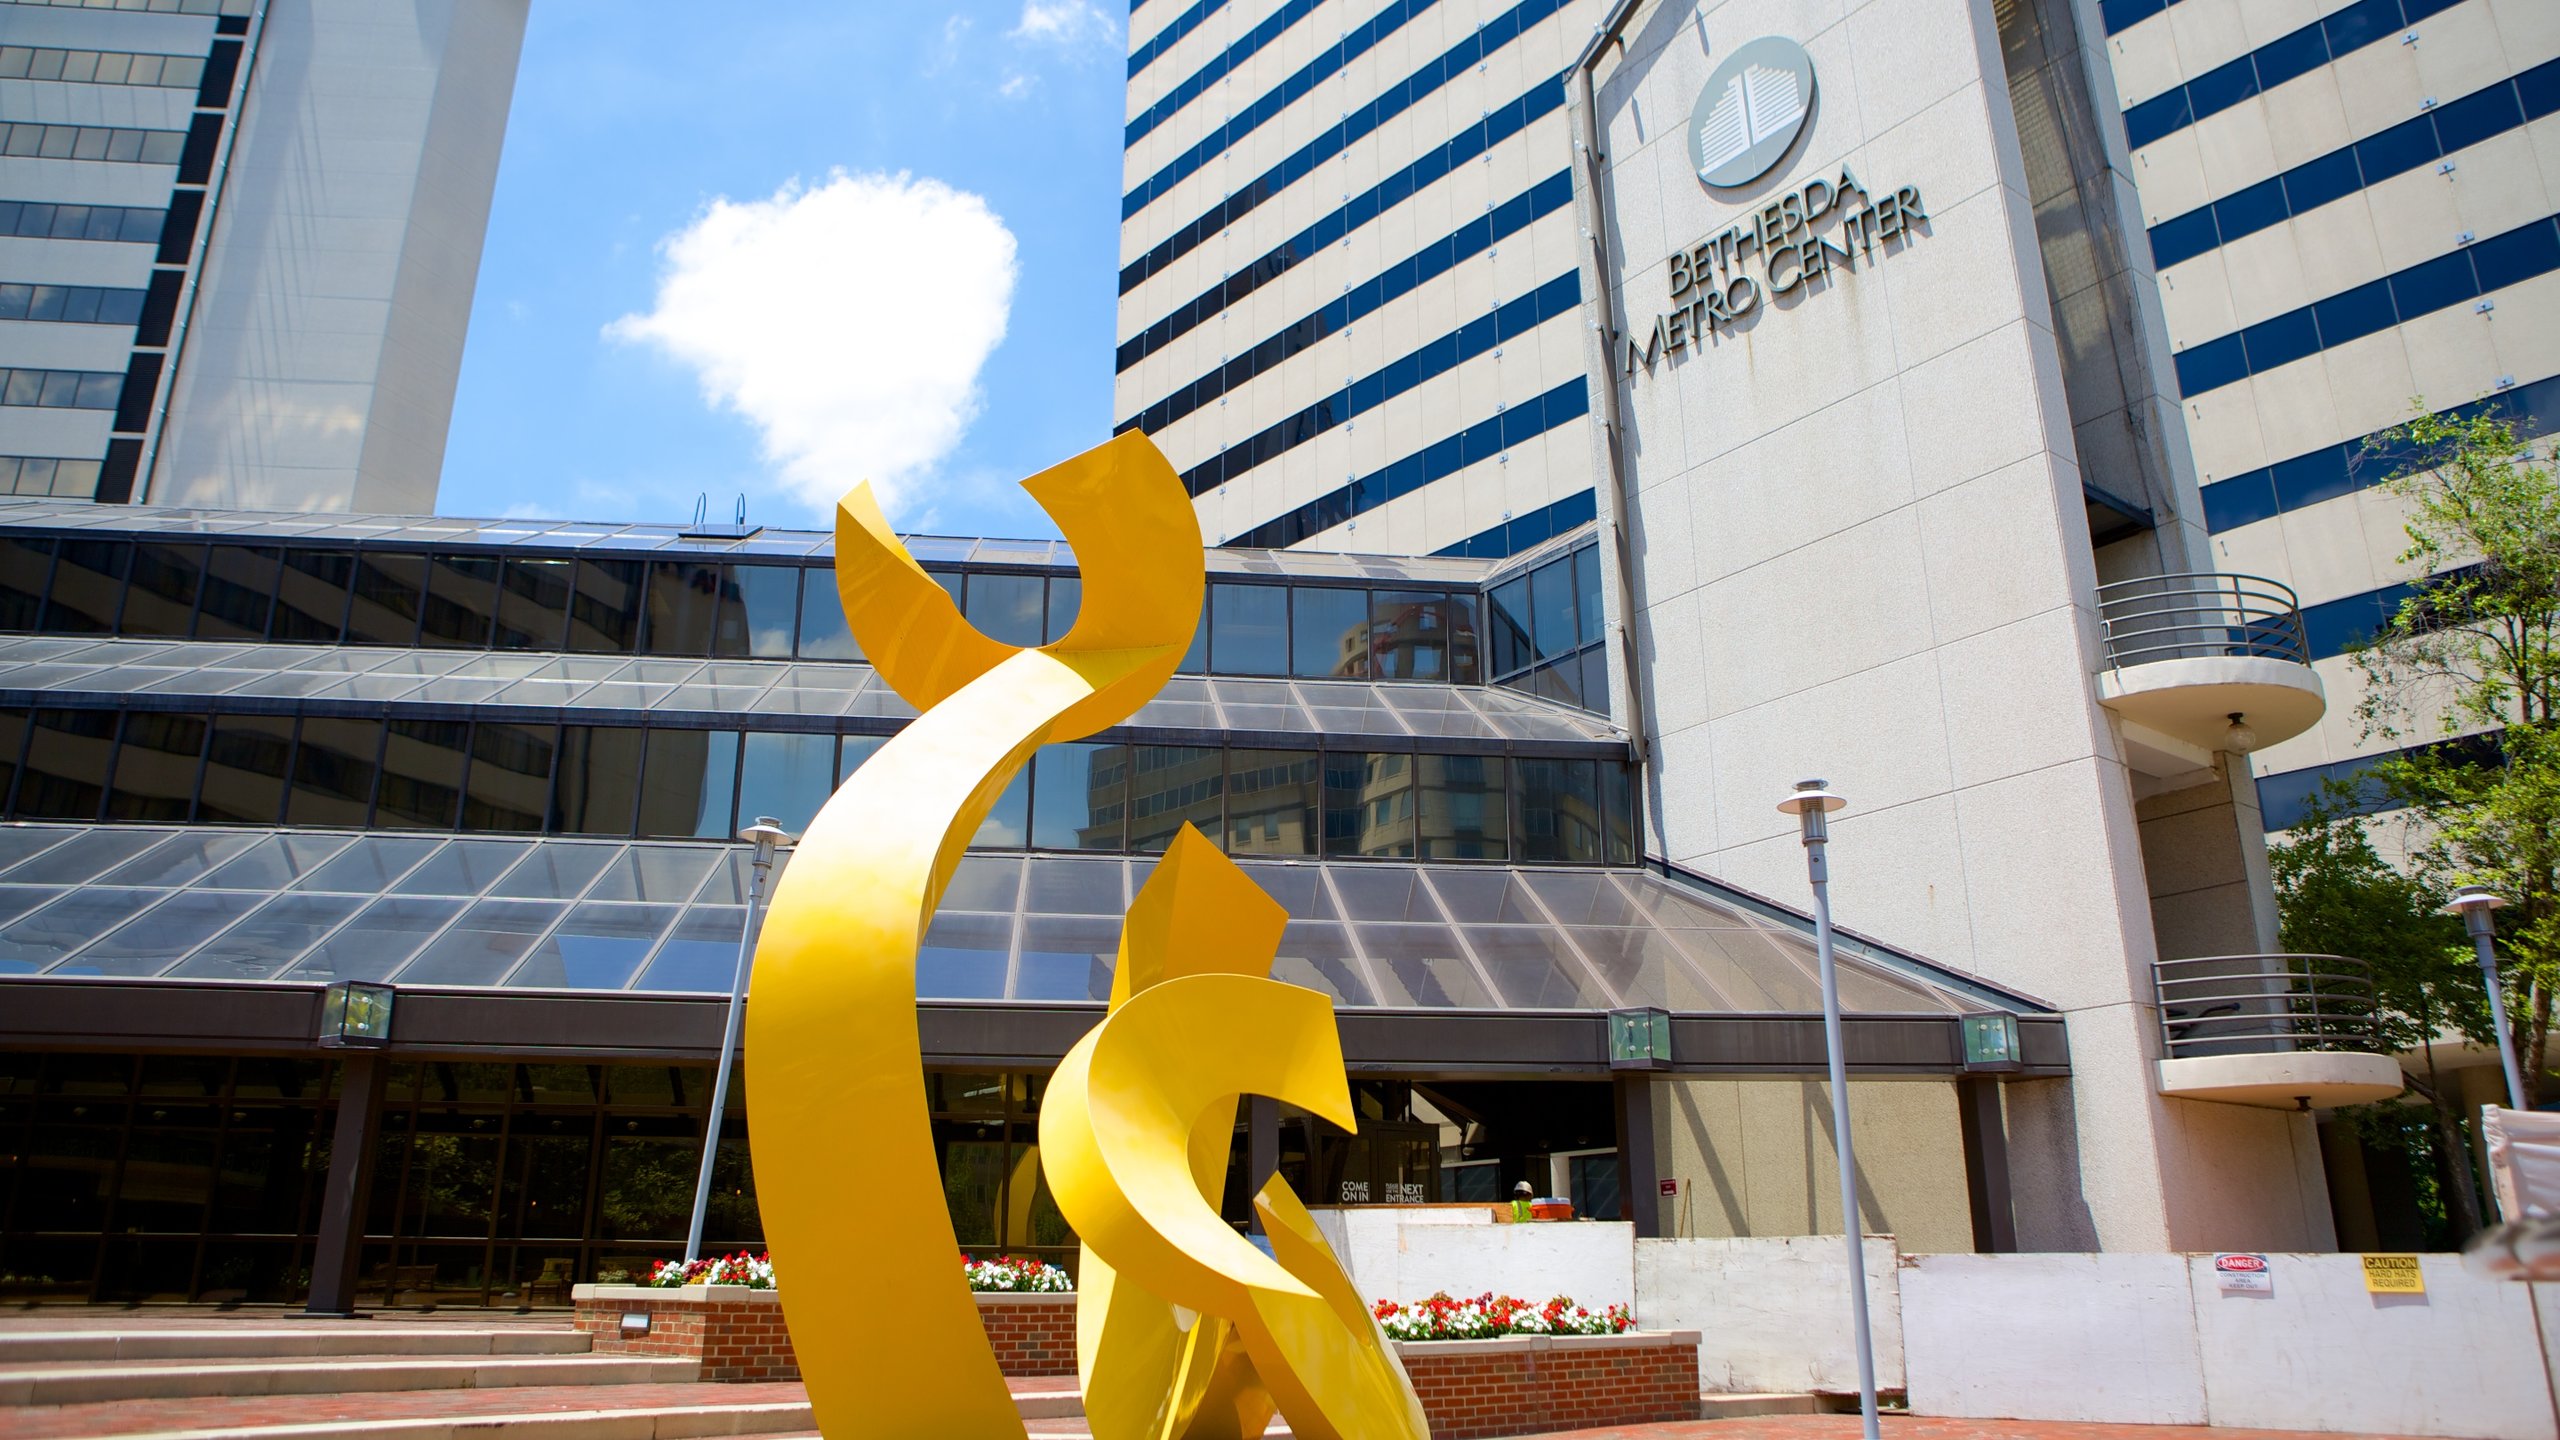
[(238, 241)]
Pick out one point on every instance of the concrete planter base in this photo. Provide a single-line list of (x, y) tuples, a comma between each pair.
[(1529, 1384), (738, 1334)]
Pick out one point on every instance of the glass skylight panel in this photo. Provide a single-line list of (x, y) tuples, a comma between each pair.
[(483, 945), (621, 695), (1535, 969), (1422, 966), (464, 867), (277, 861), (1060, 886), (1644, 967), (371, 865), (20, 842), (376, 687), (701, 955), (284, 684), (964, 957), (1382, 892), (1579, 897), (596, 948), (263, 944), (1299, 889), (544, 692), (985, 882), (180, 861), (85, 856), (736, 870), (45, 936), (1066, 957), (45, 676), (656, 872), (1487, 896), (556, 872), (452, 690), (1319, 956)]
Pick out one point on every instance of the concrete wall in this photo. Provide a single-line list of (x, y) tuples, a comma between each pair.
[(1772, 1315), (1404, 1255), (1755, 1157), (2151, 1339)]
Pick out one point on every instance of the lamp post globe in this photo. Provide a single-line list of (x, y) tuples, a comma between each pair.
[(2477, 905)]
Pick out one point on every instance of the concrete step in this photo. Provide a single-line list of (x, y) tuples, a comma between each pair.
[(284, 1342), (1739, 1405), (1047, 1413), (146, 1380)]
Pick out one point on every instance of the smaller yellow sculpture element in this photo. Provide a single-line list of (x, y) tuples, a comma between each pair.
[(1187, 1331)]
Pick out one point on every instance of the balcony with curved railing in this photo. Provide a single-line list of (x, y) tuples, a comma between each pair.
[(2275, 1030), (2207, 662)]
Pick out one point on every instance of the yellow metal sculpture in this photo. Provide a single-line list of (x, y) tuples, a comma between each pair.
[(1193, 1332), (885, 1330)]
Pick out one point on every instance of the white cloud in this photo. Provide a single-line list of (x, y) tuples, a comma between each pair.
[(1015, 86), (847, 323), (1064, 23)]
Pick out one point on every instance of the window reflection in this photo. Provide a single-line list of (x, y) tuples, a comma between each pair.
[(1250, 629), (1586, 586), (161, 601), (1066, 601), (824, 635), (25, 567), (1551, 607), (1079, 797), (510, 786), (156, 767), (88, 584), (422, 768), (66, 766), (787, 777), (1462, 810), (684, 606), (384, 610), (1006, 608), (599, 780), (239, 592), (533, 605), (333, 772), (311, 596), (1424, 635), (1557, 809), (760, 611), (1368, 805), (244, 769), (1274, 804), (604, 607), (1174, 785), (461, 602), (1331, 630), (690, 780), (1508, 620)]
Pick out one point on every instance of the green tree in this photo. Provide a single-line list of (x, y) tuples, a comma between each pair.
[(2475, 651), (2336, 895)]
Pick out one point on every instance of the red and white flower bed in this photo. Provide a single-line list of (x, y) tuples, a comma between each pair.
[(1493, 1317)]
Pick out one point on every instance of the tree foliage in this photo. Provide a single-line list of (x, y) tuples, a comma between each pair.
[(2474, 651)]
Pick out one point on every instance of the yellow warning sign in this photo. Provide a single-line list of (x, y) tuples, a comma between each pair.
[(2393, 1275)]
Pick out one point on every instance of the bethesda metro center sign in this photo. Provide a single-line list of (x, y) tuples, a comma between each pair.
[(1747, 118)]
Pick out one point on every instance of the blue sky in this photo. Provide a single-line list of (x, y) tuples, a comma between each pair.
[(776, 247)]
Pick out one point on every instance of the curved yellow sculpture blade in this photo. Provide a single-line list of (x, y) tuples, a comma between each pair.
[(887, 1335)]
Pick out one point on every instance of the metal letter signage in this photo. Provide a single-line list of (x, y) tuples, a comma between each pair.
[(881, 1318), (1750, 113)]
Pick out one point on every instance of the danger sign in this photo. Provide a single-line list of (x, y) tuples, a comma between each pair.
[(2238, 1274), (2394, 1275)]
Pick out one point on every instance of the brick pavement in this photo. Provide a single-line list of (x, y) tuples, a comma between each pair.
[(1919, 1427)]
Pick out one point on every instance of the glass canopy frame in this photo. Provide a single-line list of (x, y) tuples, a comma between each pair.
[(556, 914)]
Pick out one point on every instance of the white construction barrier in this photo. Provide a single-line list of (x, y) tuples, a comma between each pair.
[(1406, 1254), (1772, 1314)]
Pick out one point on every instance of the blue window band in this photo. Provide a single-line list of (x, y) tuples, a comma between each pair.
[(1392, 100), (1559, 296), (1370, 203), (2404, 295), (1172, 33), (2284, 799), (2121, 15), (1431, 261), (2343, 469), (1479, 442), (1210, 74), (1522, 531), (2284, 58), (1253, 116), (2480, 115)]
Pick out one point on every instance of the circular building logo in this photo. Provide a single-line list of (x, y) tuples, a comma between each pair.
[(1751, 111)]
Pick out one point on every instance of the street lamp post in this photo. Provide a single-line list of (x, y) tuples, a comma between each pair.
[(1812, 804), (2473, 903), (768, 836)]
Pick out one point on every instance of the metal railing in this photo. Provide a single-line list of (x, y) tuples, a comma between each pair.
[(2180, 617), (2265, 1004)]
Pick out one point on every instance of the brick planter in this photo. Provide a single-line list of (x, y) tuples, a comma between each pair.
[(1528, 1384), (738, 1333)]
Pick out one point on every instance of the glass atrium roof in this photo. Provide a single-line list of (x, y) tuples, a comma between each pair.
[(732, 688), (579, 915), (931, 550)]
